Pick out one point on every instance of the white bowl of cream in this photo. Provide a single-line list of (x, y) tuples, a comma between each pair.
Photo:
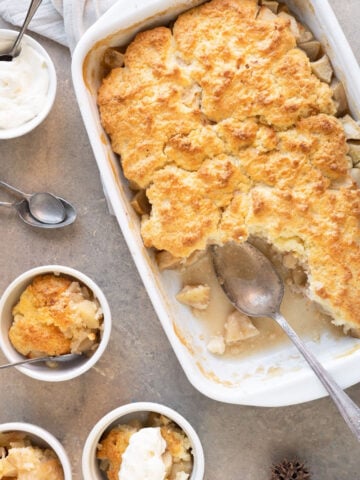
[(27, 86)]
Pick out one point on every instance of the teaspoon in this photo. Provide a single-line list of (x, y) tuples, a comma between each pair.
[(9, 54), (43, 206), (22, 208), (254, 287), (68, 357)]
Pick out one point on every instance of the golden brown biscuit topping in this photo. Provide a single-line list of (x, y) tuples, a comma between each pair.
[(55, 315), (177, 456), (224, 124)]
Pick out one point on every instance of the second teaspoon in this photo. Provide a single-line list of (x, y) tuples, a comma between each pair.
[(43, 206)]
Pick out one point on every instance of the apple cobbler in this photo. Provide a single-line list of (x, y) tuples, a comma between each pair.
[(231, 126), (157, 449), (21, 460), (56, 315)]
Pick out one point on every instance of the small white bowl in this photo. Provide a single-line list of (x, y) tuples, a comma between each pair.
[(66, 370), (139, 411), (7, 133), (41, 438)]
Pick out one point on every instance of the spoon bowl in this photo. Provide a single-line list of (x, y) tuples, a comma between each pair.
[(248, 279), (253, 286), (24, 213), (43, 206), (46, 208)]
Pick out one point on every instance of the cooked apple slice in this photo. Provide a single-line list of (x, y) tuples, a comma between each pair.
[(265, 14), (355, 175), (339, 96), (311, 48), (140, 203), (351, 128), (294, 26), (196, 296), (239, 327), (113, 58), (322, 69), (354, 152), (167, 261), (305, 35), (216, 345), (271, 5)]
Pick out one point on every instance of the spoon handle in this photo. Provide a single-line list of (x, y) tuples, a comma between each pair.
[(13, 189), (348, 409), (66, 357), (31, 11), (6, 204), (28, 360)]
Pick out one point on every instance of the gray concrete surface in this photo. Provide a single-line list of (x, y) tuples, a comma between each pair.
[(240, 442)]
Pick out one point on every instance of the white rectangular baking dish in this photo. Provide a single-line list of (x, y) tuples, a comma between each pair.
[(281, 376)]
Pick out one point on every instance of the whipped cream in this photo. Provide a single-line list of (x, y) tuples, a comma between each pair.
[(24, 84), (142, 460)]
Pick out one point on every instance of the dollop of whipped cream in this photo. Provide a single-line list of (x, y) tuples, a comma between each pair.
[(24, 84), (142, 460)]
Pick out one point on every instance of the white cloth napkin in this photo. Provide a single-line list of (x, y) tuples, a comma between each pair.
[(64, 21)]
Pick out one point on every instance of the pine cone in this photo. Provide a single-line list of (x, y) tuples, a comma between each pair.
[(290, 470)]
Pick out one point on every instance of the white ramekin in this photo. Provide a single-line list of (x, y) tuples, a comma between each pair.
[(131, 411), (64, 371), (41, 438), (8, 133)]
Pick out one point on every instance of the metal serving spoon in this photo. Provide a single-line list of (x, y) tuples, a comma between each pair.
[(68, 357), (9, 54), (253, 286), (43, 206), (24, 213)]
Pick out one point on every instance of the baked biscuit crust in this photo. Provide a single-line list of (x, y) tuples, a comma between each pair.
[(54, 316), (221, 120), (113, 445)]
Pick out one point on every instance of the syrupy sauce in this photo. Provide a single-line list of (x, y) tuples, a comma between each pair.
[(302, 314)]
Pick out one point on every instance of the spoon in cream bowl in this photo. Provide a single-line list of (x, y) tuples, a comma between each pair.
[(253, 286), (10, 52)]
